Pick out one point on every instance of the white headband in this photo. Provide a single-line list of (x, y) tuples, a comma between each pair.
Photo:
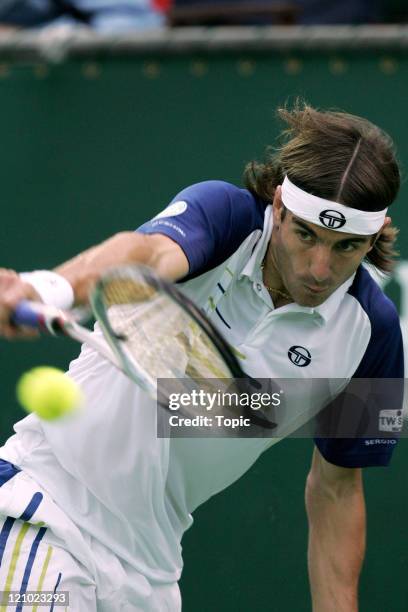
[(330, 215)]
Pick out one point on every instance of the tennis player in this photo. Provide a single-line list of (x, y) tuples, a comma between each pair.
[(97, 505)]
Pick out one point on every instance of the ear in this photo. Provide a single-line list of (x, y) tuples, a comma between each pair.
[(277, 206), (387, 222)]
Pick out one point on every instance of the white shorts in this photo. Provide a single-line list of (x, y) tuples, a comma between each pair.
[(44, 557)]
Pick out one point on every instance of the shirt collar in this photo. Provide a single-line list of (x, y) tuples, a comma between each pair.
[(252, 270)]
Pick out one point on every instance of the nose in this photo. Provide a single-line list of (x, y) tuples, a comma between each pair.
[(321, 265)]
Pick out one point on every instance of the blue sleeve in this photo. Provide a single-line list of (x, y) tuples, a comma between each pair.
[(7, 471), (383, 358), (209, 221)]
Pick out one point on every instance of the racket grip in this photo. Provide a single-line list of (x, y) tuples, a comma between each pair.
[(28, 314)]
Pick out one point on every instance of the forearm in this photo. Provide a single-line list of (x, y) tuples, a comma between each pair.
[(124, 248), (336, 513)]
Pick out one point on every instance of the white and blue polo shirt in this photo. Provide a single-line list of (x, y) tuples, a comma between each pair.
[(224, 232)]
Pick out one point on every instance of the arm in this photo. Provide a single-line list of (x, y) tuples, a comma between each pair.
[(155, 250), (336, 514)]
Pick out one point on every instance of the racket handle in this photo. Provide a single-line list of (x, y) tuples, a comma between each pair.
[(28, 314)]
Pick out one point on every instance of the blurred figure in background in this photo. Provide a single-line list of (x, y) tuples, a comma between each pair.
[(101, 15), (276, 12)]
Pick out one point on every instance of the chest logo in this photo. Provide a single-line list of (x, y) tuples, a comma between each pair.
[(299, 356), (332, 219)]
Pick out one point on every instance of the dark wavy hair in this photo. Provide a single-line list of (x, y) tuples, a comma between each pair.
[(336, 156)]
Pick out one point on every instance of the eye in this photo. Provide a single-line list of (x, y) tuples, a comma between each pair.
[(347, 247), (303, 235)]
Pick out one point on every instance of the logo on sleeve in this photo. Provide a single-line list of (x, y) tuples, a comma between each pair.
[(332, 219), (390, 420), (299, 356), (177, 208)]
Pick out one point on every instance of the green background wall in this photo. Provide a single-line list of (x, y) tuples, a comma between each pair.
[(93, 146)]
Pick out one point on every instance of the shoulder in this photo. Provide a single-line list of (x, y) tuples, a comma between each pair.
[(380, 310), (383, 357), (209, 221), (221, 195), (216, 205)]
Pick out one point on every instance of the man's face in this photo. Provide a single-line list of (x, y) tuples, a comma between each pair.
[(313, 261)]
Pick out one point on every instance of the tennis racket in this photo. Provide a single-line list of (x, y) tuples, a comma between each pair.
[(150, 331)]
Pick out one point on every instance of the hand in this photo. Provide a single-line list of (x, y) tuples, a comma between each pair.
[(12, 291)]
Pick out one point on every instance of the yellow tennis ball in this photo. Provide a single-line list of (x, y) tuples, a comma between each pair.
[(48, 392)]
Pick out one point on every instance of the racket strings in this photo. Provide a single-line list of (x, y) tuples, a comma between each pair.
[(158, 334), (126, 291)]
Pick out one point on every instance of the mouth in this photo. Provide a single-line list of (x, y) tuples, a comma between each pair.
[(316, 290)]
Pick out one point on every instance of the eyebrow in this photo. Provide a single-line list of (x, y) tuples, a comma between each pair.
[(304, 226)]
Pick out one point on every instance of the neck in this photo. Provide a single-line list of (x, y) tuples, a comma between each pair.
[(273, 280)]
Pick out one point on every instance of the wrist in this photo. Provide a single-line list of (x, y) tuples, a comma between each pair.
[(52, 288)]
